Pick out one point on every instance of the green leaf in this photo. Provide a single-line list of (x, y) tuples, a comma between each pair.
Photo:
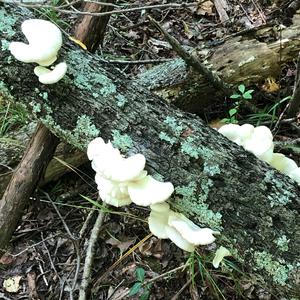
[(232, 112), (145, 295), (140, 274), (242, 88), (235, 96), (135, 288), (247, 95)]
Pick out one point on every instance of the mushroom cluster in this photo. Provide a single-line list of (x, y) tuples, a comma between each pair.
[(122, 181), (166, 223), (44, 41), (259, 141)]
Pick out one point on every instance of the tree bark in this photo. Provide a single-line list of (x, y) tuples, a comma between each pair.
[(90, 30), (217, 183), (24, 181)]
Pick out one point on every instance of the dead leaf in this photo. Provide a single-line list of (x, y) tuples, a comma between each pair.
[(205, 8), (123, 246), (6, 259), (81, 44), (270, 85), (12, 284)]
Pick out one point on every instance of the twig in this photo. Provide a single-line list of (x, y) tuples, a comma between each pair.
[(86, 277), (194, 61), (175, 297), (136, 62), (119, 11), (294, 104)]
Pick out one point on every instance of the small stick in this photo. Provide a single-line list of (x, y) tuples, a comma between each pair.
[(194, 61), (86, 277)]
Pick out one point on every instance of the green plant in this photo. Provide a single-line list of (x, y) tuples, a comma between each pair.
[(12, 116), (240, 95), (140, 285)]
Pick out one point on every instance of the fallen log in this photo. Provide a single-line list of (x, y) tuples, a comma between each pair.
[(217, 183), (244, 59)]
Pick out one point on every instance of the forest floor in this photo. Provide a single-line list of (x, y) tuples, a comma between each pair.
[(46, 255)]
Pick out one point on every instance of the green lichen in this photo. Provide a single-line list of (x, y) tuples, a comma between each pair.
[(44, 95), (121, 141), (188, 147), (280, 195), (4, 45), (174, 128), (7, 23), (121, 100), (193, 203), (95, 82), (80, 136), (282, 243), (187, 191), (36, 107), (211, 169), (165, 137), (275, 269)]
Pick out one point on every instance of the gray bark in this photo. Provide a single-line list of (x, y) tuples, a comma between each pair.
[(217, 183)]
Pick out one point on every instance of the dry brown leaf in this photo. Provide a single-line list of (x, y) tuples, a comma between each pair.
[(205, 8)]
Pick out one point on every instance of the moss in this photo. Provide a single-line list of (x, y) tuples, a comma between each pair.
[(121, 141), (278, 271), (280, 195), (282, 243)]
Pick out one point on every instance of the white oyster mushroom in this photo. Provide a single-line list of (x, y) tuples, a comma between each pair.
[(190, 231), (295, 174), (95, 147), (112, 193), (282, 163), (245, 132), (158, 219), (232, 132), (149, 191), (48, 76), (220, 254), (113, 166), (45, 40), (178, 239), (260, 143)]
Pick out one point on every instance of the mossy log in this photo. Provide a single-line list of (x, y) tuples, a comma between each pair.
[(218, 184)]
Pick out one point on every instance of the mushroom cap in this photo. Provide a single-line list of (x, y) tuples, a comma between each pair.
[(282, 163), (47, 76), (45, 40), (112, 193), (178, 240), (245, 131), (149, 191), (190, 231), (262, 149), (114, 167), (220, 254), (295, 174), (232, 132), (158, 219), (94, 147)]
